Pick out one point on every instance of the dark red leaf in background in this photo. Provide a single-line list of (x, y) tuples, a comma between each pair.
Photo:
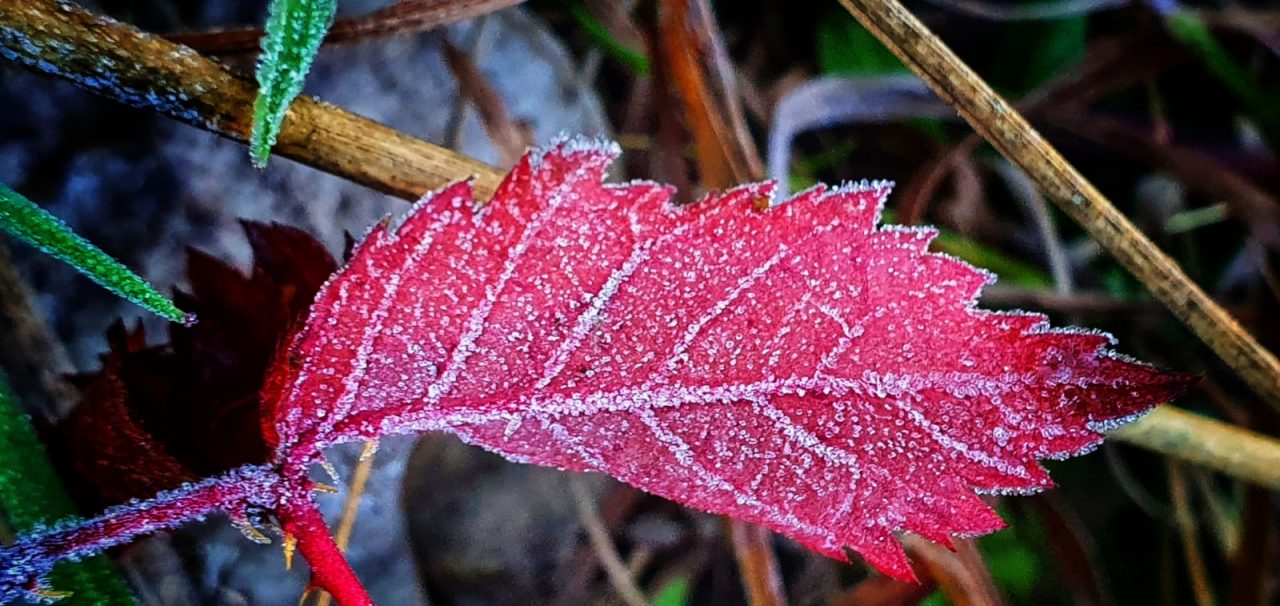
[(155, 417)]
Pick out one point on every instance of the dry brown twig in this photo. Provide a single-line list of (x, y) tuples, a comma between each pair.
[(1188, 534), (615, 569), (960, 573), (402, 18), (144, 70), (761, 575)]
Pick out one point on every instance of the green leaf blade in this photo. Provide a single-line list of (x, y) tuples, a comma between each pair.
[(25, 220), (295, 29)]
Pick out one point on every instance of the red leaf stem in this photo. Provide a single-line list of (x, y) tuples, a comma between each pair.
[(24, 564)]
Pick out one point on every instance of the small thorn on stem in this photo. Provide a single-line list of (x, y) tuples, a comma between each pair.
[(325, 488), (290, 546), (44, 595), (247, 529)]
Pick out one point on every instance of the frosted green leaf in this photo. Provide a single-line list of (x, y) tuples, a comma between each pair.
[(295, 29), (23, 219), (31, 496)]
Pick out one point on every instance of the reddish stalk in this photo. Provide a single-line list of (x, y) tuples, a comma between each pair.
[(329, 568), (24, 564)]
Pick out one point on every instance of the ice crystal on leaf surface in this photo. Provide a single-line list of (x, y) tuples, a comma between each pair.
[(795, 365)]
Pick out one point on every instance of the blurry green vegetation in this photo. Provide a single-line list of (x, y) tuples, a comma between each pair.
[(674, 593), (1262, 104), (845, 48), (31, 496)]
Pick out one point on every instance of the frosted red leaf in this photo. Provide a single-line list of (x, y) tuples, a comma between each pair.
[(795, 365), (798, 366)]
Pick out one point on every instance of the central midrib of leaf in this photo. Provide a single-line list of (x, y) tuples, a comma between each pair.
[(454, 416)]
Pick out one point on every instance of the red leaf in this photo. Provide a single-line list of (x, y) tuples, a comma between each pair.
[(799, 367), (104, 439)]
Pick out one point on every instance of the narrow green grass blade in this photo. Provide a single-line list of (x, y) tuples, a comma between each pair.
[(634, 59), (295, 29), (23, 219), (1189, 29), (31, 495)]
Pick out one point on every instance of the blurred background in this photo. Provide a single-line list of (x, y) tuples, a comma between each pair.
[(1171, 109)]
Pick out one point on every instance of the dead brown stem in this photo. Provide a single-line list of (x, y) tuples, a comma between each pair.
[(761, 577), (615, 569), (1189, 535), (961, 573), (1192, 438), (33, 358)]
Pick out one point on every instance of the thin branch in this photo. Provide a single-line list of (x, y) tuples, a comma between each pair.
[(38, 551), (960, 573), (1237, 452), (143, 70), (35, 359), (1189, 534), (615, 569), (350, 508), (399, 19), (761, 576), (1009, 132)]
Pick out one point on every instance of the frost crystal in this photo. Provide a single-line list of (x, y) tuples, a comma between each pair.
[(294, 31)]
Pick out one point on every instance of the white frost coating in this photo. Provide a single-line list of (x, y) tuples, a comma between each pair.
[(639, 254), (746, 282), (476, 323), (681, 451), (375, 326), (846, 340), (666, 395), (806, 438), (575, 445), (567, 144), (740, 435), (947, 441)]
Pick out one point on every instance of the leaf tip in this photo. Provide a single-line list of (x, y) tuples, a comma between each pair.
[(260, 148)]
